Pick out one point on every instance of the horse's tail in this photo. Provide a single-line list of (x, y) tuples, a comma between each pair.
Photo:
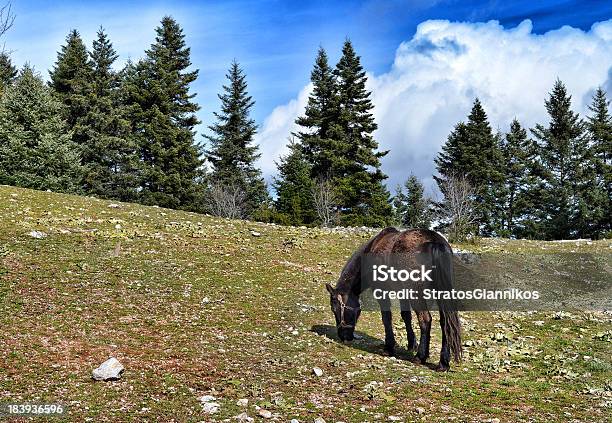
[(442, 262)]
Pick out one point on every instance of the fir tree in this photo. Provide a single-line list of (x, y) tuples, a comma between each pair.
[(162, 119), (355, 161), (318, 117), (562, 147), (294, 188), (8, 72), (232, 153), (516, 150), (70, 79), (35, 148), (412, 207), (598, 198), (109, 153), (473, 151)]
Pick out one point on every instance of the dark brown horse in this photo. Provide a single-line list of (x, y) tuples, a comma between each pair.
[(346, 306)]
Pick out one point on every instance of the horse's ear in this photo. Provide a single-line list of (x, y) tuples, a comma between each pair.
[(330, 289)]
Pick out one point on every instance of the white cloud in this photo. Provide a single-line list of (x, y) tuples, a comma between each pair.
[(438, 73)]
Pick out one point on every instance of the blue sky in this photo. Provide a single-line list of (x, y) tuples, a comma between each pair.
[(275, 41)]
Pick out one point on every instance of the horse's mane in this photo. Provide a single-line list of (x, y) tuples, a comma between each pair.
[(351, 272)]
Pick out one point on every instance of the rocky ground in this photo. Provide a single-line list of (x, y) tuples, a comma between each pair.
[(218, 320)]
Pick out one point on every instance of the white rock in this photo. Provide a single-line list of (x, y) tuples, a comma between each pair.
[(207, 398), (317, 371), (242, 402), (266, 414), (255, 233), (294, 421), (111, 369), (114, 206), (395, 418), (210, 407), (319, 420), (244, 417), (420, 410), (38, 234)]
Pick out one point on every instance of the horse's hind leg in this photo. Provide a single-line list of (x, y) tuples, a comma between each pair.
[(424, 318), (407, 318), (445, 351), (387, 319)]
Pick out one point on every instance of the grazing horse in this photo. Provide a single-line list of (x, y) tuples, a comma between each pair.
[(345, 304)]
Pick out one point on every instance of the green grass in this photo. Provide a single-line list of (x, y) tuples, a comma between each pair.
[(195, 305)]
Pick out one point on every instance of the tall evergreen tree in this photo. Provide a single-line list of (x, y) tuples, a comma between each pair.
[(598, 196), (35, 148), (411, 206), (162, 118), (109, 152), (562, 146), (70, 78), (294, 196), (355, 159), (232, 152), (8, 72), (472, 150), (318, 117), (516, 150)]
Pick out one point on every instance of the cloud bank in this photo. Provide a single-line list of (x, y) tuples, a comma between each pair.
[(437, 74)]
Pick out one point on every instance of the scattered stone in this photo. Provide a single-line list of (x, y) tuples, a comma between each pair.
[(38, 234), (266, 414), (114, 206), (317, 371), (111, 369), (210, 407), (255, 233), (495, 420), (539, 323), (207, 398), (242, 402), (420, 410), (294, 421), (319, 420), (395, 418), (244, 417)]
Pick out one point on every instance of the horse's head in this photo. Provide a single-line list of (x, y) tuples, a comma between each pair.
[(346, 309)]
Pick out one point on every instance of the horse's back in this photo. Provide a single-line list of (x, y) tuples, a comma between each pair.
[(390, 240)]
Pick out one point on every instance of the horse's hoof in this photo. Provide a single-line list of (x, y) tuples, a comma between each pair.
[(417, 360), (442, 368), (389, 351)]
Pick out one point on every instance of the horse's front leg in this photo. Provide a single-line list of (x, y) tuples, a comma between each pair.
[(387, 319)]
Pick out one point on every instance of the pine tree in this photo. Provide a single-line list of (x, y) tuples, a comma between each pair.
[(516, 150), (412, 207), (598, 196), (36, 150), (562, 147), (8, 72), (109, 153), (294, 200), (355, 161), (162, 119), (232, 153), (70, 79), (318, 117), (473, 151)]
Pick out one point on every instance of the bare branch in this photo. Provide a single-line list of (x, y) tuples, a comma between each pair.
[(7, 18), (226, 201), (458, 207), (325, 201)]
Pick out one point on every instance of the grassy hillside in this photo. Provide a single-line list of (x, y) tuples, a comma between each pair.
[(194, 305)]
